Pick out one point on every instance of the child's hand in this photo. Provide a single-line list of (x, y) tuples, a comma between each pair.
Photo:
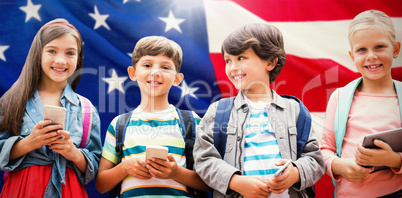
[(162, 169), (284, 181), (135, 167), (382, 156), (43, 134), (249, 186), (349, 169), (64, 146)]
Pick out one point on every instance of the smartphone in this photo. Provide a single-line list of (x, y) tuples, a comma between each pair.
[(280, 171), (160, 152), (56, 114)]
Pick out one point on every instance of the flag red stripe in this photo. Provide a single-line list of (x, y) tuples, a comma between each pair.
[(312, 80), (324, 10)]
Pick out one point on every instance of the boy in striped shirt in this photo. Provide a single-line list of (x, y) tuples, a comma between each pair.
[(262, 129), (156, 63)]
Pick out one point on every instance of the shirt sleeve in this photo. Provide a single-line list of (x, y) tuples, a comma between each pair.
[(328, 142), (109, 147)]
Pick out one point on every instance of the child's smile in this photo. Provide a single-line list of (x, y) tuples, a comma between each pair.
[(238, 77), (373, 68), (59, 70), (153, 83)]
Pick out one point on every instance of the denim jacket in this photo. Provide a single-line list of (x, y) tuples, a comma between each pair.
[(45, 156), (283, 114)]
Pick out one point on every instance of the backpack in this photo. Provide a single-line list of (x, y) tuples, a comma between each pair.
[(188, 128), (86, 116), (343, 108), (222, 119)]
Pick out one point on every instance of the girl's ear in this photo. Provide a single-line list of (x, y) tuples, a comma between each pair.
[(179, 77), (397, 48), (131, 73), (352, 56), (271, 65)]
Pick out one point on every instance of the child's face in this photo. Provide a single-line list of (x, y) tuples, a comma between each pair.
[(373, 52), (248, 72), (155, 75), (59, 60)]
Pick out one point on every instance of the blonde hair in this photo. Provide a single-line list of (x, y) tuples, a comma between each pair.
[(155, 45), (372, 19)]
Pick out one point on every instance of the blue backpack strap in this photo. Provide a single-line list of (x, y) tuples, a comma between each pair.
[(221, 123), (303, 125), (342, 112), (398, 88)]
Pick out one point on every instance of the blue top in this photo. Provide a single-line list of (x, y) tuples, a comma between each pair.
[(45, 156)]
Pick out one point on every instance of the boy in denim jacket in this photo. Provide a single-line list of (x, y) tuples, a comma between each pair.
[(261, 132)]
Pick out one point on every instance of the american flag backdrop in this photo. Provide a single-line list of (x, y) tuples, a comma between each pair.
[(315, 34)]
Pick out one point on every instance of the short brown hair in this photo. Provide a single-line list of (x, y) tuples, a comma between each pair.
[(266, 41), (155, 45)]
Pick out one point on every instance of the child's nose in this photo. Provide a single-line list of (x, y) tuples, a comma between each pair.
[(155, 71), (234, 66), (371, 55), (60, 59)]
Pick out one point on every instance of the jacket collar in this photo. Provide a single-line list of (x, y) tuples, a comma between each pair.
[(69, 95)]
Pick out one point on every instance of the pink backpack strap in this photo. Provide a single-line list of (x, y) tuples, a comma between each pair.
[(86, 117), (6, 174)]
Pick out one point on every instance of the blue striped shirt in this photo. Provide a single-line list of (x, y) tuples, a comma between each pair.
[(261, 149), (159, 129)]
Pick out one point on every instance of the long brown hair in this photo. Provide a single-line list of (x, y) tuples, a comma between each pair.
[(13, 102)]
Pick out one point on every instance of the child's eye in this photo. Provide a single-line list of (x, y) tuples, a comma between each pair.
[(379, 46), (227, 61), (166, 68), (361, 50), (51, 51), (147, 65), (241, 58), (70, 53)]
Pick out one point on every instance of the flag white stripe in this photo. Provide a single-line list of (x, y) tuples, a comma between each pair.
[(320, 39)]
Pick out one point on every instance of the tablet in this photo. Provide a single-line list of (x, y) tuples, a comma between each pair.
[(392, 137)]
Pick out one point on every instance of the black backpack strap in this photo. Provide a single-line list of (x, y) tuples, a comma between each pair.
[(121, 126), (188, 128)]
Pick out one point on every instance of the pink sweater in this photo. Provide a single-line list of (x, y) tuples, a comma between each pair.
[(369, 114)]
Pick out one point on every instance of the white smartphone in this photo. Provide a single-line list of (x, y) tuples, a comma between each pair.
[(160, 152), (56, 114), (280, 171)]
